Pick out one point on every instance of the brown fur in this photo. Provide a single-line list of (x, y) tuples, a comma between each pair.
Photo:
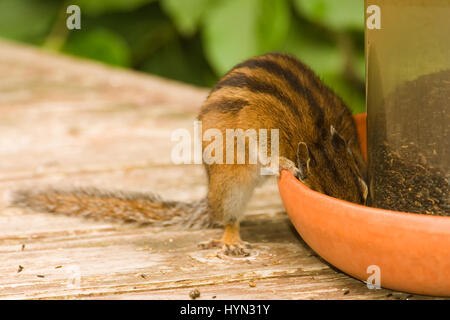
[(118, 206), (273, 91), (276, 91), (303, 109)]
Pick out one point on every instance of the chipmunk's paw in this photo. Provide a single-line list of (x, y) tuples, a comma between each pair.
[(237, 249), (286, 164)]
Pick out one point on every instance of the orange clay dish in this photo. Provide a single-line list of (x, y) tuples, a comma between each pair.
[(412, 251)]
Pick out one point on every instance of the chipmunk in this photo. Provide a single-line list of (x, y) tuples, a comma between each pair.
[(317, 143)]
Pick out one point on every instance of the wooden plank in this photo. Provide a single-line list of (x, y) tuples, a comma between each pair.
[(133, 262), (65, 121)]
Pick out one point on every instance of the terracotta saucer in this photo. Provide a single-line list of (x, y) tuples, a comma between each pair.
[(410, 252)]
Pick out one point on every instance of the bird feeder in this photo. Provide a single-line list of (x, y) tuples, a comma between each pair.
[(408, 104)]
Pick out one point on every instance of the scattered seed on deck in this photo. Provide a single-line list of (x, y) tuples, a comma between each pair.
[(194, 294)]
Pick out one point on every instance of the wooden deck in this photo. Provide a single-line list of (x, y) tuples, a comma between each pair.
[(65, 121)]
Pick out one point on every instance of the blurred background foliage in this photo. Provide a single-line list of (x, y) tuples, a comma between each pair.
[(197, 41)]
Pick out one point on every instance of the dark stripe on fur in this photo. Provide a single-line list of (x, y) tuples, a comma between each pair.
[(241, 80), (316, 111), (294, 82), (225, 105), (304, 69), (280, 72), (330, 163)]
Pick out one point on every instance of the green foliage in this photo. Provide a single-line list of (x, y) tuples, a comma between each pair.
[(98, 7), (335, 14), (181, 60), (26, 20), (235, 30), (197, 41), (100, 44), (185, 14), (309, 44)]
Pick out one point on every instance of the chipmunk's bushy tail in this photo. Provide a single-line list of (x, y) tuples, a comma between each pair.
[(118, 206)]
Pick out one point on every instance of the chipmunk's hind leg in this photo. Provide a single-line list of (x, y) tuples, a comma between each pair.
[(230, 189), (231, 243)]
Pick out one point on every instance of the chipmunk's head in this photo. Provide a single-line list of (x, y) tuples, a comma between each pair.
[(333, 167)]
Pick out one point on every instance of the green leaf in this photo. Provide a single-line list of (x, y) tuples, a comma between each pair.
[(185, 14), (314, 48), (335, 14), (182, 62), (320, 52), (27, 20), (99, 44), (235, 30), (98, 7), (145, 29)]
